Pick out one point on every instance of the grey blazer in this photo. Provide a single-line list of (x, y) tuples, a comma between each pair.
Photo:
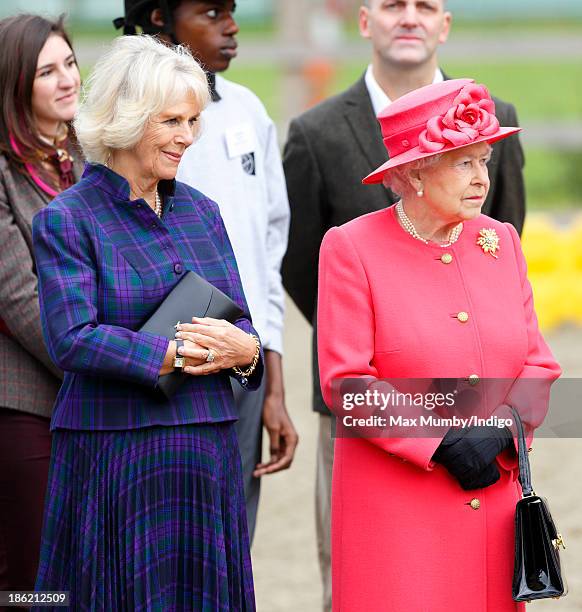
[(329, 149), (29, 381)]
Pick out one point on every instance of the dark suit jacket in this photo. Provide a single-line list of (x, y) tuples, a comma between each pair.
[(329, 149), (29, 381)]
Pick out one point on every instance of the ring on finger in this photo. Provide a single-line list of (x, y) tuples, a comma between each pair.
[(210, 356)]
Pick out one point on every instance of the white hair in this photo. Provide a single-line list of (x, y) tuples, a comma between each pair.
[(399, 180), (138, 77)]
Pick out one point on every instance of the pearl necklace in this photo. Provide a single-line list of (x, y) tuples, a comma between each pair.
[(409, 227), (158, 206)]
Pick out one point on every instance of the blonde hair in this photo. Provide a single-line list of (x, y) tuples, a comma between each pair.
[(138, 77)]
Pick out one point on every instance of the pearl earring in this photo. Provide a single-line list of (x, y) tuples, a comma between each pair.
[(420, 192)]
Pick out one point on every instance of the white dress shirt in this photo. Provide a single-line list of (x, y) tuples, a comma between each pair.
[(378, 96)]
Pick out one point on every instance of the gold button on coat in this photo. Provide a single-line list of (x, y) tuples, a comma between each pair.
[(473, 379), (462, 316), (475, 504), (446, 258)]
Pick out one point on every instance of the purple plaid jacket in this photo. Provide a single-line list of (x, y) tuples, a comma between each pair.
[(104, 264)]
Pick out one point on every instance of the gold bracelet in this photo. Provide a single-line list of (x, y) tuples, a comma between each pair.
[(248, 371)]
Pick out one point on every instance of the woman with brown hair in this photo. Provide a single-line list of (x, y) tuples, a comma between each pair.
[(40, 81)]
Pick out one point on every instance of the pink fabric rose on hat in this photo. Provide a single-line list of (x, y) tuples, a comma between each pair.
[(472, 115)]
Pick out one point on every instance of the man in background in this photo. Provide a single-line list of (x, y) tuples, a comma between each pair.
[(236, 162), (332, 146)]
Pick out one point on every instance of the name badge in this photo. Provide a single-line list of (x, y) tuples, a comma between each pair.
[(240, 140)]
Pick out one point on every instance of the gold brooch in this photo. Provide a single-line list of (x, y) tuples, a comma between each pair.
[(488, 240)]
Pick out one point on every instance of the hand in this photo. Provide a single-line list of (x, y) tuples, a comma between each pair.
[(283, 438), (468, 454), (230, 345), (490, 475), (197, 356)]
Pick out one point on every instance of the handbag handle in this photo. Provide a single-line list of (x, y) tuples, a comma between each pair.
[(523, 456)]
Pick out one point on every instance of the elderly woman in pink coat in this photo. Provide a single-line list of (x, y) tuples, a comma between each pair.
[(429, 289)]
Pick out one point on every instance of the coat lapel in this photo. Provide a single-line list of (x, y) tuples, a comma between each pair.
[(360, 116)]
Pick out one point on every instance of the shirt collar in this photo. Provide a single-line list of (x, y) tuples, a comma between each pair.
[(211, 78), (378, 96), (103, 177)]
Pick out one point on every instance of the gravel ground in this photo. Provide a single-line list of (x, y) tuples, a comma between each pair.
[(284, 551)]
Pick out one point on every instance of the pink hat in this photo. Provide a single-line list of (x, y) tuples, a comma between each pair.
[(435, 119)]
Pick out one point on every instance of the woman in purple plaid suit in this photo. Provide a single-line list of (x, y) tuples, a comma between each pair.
[(145, 504), (39, 81)]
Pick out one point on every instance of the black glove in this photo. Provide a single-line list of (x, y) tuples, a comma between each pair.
[(468, 454), (490, 475)]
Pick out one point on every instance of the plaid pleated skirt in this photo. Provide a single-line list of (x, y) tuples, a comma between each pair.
[(147, 519)]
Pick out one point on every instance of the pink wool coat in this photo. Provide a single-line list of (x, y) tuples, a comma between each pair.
[(405, 535)]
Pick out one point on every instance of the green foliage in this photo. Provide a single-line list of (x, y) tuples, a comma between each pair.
[(93, 32), (262, 79), (104, 31), (553, 179), (539, 90), (546, 27), (549, 90)]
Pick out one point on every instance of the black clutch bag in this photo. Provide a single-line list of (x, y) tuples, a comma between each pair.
[(193, 296), (537, 572)]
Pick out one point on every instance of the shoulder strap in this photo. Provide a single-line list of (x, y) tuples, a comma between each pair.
[(523, 457)]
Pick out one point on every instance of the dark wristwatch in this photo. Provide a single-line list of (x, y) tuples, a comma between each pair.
[(179, 360)]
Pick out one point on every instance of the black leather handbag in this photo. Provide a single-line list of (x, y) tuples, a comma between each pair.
[(193, 296), (537, 572)]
